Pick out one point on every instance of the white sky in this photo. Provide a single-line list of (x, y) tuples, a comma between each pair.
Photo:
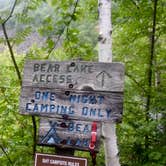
[(6, 4)]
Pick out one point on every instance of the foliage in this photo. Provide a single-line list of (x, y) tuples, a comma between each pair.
[(69, 31), (142, 141)]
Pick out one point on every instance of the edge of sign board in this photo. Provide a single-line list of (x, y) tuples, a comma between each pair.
[(112, 105), (70, 61), (67, 147), (102, 76), (52, 155), (67, 133)]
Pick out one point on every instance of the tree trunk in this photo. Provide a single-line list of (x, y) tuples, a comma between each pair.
[(105, 55), (150, 72)]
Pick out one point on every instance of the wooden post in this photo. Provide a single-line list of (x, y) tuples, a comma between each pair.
[(105, 55), (64, 152)]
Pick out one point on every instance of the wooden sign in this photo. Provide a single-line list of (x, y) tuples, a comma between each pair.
[(67, 133), (74, 75), (57, 160), (82, 105)]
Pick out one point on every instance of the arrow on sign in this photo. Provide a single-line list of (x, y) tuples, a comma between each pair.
[(102, 76)]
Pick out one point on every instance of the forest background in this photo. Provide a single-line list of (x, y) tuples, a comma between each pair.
[(67, 30)]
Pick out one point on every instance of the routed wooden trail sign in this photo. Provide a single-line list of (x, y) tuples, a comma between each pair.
[(67, 133), (69, 96), (56, 160), (76, 75), (84, 105), (81, 90)]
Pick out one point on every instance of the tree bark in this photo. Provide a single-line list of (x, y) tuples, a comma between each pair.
[(105, 31), (16, 67), (105, 55), (150, 71)]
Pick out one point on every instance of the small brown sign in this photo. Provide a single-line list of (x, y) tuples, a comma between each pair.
[(71, 134), (56, 160)]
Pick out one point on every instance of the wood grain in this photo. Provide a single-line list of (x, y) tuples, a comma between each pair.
[(76, 75), (63, 133), (81, 105)]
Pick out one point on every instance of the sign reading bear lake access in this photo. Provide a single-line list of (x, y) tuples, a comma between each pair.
[(67, 133), (74, 75), (57, 160), (80, 90), (82, 105)]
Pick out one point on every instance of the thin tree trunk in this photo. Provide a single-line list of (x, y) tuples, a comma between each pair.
[(16, 67), (105, 31), (105, 55), (150, 71)]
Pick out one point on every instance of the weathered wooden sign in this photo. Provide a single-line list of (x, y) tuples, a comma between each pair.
[(74, 75), (57, 160), (82, 105), (77, 92), (67, 133)]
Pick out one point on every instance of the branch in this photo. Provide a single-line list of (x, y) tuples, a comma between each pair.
[(137, 83), (135, 4), (34, 134), (9, 44), (11, 12), (74, 11), (17, 68), (63, 30), (11, 52), (3, 150), (150, 72)]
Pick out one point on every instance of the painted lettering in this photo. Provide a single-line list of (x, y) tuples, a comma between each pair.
[(46, 95), (68, 79), (35, 109), (78, 142), (85, 111), (85, 142), (58, 162), (100, 99), (36, 67), (42, 78), (86, 69), (53, 68), (89, 99), (96, 112), (79, 128), (100, 115), (84, 99), (108, 113), (62, 79), (52, 78), (28, 107), (44, 67), (35, 78), (55, 80), (92, 112), (71, 126), (46, 108), (45, 160), (48, 78), (70, 163), (87, 129)]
